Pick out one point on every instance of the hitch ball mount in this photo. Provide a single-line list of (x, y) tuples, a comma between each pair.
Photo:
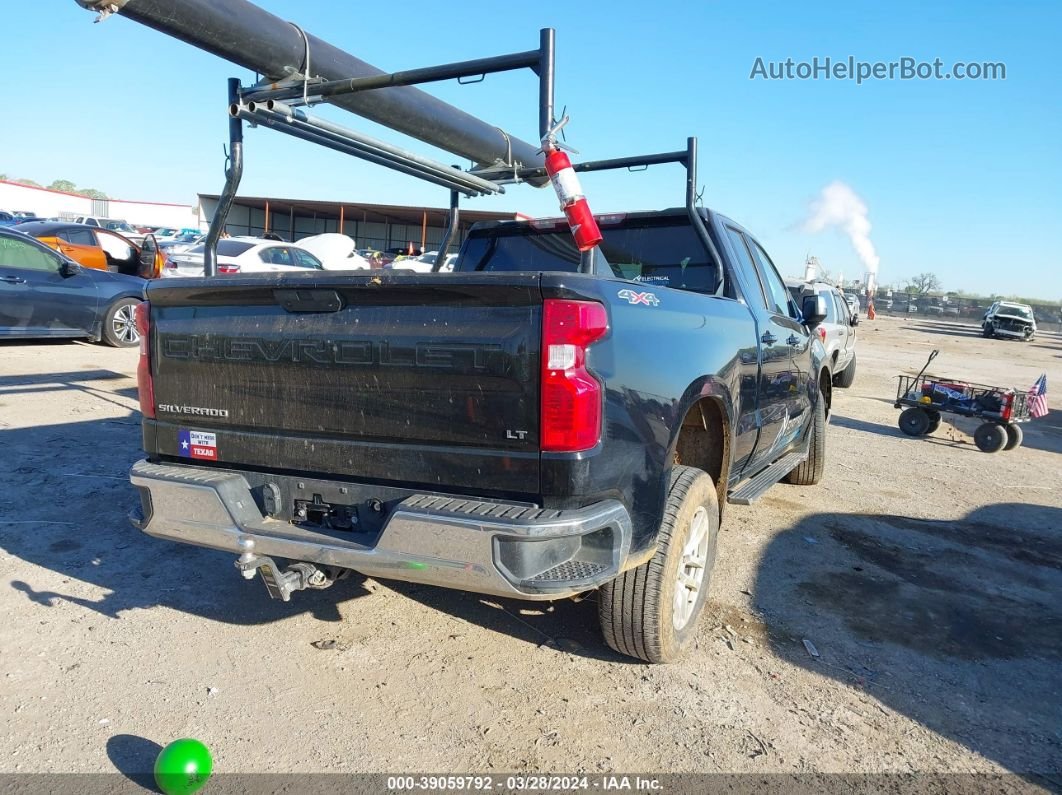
[(281, 584)]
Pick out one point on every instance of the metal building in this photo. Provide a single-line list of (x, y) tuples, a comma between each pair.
[(375, 226)]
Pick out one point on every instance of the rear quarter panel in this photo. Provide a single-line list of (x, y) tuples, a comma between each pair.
[(656, 362)]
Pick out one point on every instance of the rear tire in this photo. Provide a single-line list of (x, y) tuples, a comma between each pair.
[(652, 612), (809, 471), (990, 438), (914, 421), (1014, 436), (846, 377), (934, 421), (119, 324)]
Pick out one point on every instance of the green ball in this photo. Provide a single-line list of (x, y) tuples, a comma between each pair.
[(183, 767)]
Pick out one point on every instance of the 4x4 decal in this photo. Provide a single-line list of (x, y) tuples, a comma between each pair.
[(633, 297)]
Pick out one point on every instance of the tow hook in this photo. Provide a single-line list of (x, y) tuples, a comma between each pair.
[(279, 584)]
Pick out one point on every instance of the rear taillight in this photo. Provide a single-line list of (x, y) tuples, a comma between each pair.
[(228, 268), (571, 396), (145, 386)]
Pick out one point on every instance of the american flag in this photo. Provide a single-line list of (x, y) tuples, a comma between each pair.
[(1037, 397)]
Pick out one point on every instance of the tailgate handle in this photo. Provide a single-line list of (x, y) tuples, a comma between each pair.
[(309, 300)]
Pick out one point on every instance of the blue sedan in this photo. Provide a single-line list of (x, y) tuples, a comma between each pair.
[(44, 294)]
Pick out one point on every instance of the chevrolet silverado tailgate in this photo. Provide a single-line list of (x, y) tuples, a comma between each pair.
[(420, 378)]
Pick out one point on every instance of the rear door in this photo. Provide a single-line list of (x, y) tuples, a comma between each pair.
[(81, 246), (36, 299), (785, 342), (845, 330), (426, 379)]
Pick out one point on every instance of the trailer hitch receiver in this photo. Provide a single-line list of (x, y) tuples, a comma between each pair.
[(280, 584)]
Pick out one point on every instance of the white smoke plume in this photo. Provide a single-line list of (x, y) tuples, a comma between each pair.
[(838, 206)]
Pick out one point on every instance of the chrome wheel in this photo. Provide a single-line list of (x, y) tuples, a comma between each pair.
[(691, 569), (123, 324)]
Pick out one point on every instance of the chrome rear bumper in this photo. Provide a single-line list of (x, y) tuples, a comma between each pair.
[(463, 543)]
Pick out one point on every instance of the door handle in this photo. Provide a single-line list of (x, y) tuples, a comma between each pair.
[(12, 280), (768, 338), (793, 340)]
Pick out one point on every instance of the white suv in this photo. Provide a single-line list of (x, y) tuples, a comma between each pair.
[(1007, 319)]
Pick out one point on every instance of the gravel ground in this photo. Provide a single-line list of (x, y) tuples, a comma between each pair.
[(925, 574)]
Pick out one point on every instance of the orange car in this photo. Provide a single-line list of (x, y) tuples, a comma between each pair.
[(98, 248)]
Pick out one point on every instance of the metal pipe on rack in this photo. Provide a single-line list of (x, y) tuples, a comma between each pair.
[(366, 149), (247, 35), (233, 175), (691, 204), (544, 68), (300, 117), (451, 227)]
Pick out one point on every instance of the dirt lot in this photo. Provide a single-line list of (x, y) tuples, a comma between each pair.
[(926, 574)]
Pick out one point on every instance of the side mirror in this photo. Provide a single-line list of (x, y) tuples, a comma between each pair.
[(69, 268), (813, 307)]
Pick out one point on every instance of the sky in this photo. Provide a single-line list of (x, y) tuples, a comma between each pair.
[(962, 178)]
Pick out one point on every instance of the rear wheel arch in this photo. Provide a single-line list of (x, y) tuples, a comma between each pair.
[(826, 389), (703, 442)]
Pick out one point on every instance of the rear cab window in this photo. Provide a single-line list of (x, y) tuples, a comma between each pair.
[(662, 251)]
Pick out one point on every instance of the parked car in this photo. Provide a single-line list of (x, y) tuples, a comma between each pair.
[(45, 294), (335, 251), (22, 216), (7, 219), (243, 255), (853, 303), (112, 224), (182, 242), (426, 262), (98, 248), (1009, 319), (934, 310), (837, 330), (520, 428), (952, 311), (170, 234)]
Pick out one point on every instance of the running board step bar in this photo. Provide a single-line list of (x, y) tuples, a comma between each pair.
[(753, 488)]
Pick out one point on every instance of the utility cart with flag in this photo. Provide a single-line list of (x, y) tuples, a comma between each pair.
[(925, 398)]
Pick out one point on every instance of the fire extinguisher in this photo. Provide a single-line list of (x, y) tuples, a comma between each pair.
[(572, 201)]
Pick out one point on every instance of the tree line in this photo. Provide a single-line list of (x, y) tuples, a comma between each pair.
[(64, 185)]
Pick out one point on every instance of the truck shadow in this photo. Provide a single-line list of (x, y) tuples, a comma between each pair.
[(954, 624), (565, 625), (70, 517), (94, 383)]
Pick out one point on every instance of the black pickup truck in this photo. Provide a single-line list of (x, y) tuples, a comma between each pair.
[(516, 427)]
